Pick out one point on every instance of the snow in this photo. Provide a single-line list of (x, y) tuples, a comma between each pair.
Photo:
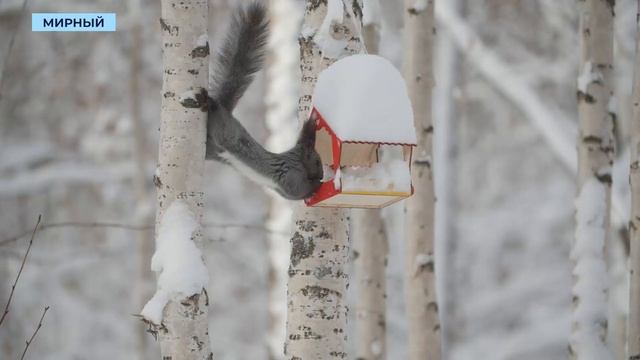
[(420, 5), (189, 95), (330, 46), (422, 260), (337, 179), (588, 76), (177, 261), (544, 115), (44, 177), (327, 173), (21, 156), (202, 40), (508, 281), (591, 273), (376, 348), (283, 88), (364, 98), (612, 106), (393, 176), (371, 12)]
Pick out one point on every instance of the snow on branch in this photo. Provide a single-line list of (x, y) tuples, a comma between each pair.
[(418, 6), (505, 80), (590, 271), (588, 76), (177, 260), (544, 117)]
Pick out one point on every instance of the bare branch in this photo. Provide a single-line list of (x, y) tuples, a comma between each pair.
[(26, 347), (113, 225), (24, 260), (78, 224)]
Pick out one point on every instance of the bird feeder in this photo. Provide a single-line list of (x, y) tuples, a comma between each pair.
[(361, 109)]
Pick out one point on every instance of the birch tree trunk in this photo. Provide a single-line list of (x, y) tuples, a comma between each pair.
[(281, 119), (370, 248), (317, 284), (185, 56), (633, 333), (595, 157), (419, 274), (448, 112), (370, 252)]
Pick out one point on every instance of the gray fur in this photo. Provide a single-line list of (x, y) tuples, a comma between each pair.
[(241, 55), (295, 174)]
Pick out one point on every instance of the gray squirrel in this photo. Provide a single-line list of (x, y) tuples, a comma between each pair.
[(295, 174)]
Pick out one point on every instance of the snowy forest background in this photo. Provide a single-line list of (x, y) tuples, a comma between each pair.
[(78, 144)]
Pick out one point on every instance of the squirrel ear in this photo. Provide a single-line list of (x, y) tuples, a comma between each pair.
[(308, 133)]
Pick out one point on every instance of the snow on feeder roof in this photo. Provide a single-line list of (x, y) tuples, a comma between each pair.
[(363, 98), (360, 105)]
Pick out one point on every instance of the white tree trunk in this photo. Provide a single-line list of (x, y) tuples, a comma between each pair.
[(595, 157), (633, 335), (281, 119), (316, 289), (370, 248), (183, 334), (419, 278), (447, 109)]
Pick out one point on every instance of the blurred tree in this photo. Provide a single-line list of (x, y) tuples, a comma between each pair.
[(370, 245), (419, 274), (143, 204), (370, 259), (281, 120), (317, 285), (447, 112)]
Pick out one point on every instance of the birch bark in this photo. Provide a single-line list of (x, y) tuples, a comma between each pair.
[(370, 252), (419, 275), (317, 284), (595, 157), (183, 333), (370, 248), (633, 338)]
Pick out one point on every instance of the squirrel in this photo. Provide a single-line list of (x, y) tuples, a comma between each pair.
[(294, 174)]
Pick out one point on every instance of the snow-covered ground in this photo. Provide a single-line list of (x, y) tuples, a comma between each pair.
[(67, 151)]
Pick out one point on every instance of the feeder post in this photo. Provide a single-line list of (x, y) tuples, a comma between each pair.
[(419, 275), (317, 284)]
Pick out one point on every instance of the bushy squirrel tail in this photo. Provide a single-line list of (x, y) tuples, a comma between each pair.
[(241, 55)]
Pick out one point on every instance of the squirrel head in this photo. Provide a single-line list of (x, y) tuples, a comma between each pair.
[(304, 175)]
